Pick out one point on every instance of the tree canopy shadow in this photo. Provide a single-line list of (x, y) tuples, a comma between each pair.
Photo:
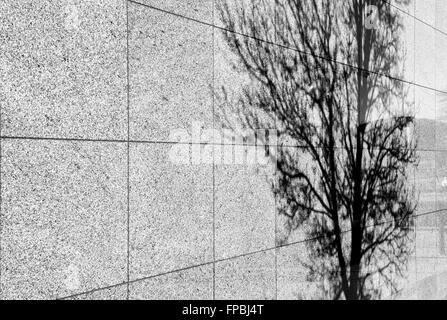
[(324, 75)]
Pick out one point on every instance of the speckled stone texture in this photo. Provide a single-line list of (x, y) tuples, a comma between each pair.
[(200, 10), (247, 277), (231, 81), (171, 72), (63, 68), (63, 217), (190, 284), (291, 274), (114, 293), (110, 188), (245, 211), (171, 222)]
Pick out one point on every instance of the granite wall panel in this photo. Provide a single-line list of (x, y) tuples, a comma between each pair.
[(120, 178)]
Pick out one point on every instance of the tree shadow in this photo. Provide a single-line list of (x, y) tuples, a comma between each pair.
[(323, 75)]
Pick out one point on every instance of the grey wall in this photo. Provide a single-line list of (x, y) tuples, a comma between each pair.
[(93, 205)]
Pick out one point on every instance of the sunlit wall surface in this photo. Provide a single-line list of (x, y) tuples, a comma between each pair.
[(119, 179)]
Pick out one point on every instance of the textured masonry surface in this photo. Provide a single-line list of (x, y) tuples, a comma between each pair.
[(91, 206)]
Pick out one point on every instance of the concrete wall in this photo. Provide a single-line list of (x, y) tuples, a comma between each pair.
[(102, 193)]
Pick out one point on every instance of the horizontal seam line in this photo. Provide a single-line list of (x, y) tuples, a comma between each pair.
[(232, 258), (284, 146), (416, 18), (290, 48)]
